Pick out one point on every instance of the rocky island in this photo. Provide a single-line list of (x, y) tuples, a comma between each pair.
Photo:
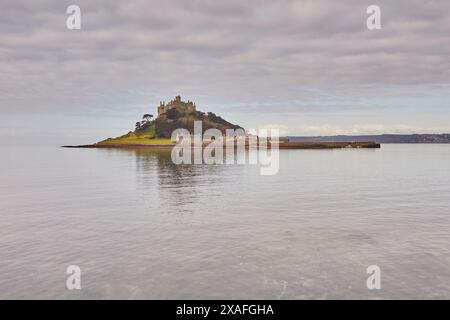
[(157, 132)]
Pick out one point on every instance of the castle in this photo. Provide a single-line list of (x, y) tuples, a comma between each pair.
[(185, 107)]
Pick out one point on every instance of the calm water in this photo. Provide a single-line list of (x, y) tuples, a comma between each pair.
[(141, 227)]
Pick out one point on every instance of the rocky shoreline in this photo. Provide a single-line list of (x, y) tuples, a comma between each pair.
[(281, 145)]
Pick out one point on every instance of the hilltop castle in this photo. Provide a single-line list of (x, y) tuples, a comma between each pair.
[(185, 107)]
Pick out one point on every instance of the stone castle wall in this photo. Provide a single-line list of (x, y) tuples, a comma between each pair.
[(185, 107)]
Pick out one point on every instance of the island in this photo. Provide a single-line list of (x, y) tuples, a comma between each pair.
[(152, 132)]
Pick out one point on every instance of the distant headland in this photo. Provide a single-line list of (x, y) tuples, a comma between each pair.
[(157, 132)]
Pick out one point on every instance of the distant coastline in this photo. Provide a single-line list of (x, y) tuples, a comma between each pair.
[(383, 138)]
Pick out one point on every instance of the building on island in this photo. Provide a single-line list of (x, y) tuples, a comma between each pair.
[(184, 107)]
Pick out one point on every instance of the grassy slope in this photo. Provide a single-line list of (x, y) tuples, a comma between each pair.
[(135, 140), (145, 137), (158, 131)]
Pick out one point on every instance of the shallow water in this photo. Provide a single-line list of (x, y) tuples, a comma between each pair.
[(141, 227)]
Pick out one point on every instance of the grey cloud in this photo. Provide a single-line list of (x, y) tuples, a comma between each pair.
[(225, 54)]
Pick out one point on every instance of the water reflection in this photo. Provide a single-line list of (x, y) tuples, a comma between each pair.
[(165, 185)]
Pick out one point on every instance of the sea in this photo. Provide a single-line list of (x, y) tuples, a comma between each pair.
[(137, 226)]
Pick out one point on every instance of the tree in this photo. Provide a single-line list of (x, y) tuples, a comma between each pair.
[(147, 117)]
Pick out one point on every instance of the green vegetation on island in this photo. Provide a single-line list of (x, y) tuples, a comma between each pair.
[(171, 116)]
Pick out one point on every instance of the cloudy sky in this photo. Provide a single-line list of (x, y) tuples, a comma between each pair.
[(306, 67)]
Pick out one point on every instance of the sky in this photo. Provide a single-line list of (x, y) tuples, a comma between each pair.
[(305, 67)]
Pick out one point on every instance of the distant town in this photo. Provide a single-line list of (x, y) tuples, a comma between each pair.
[(384, 138)]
